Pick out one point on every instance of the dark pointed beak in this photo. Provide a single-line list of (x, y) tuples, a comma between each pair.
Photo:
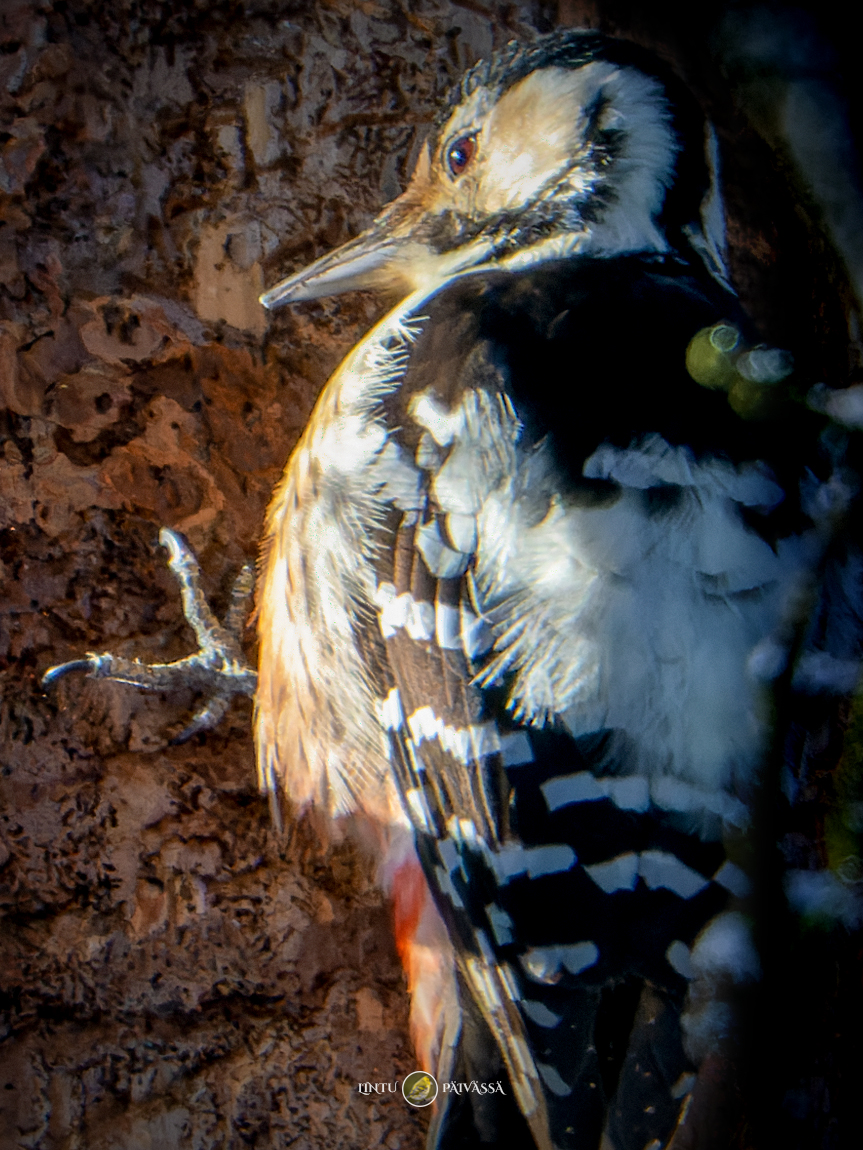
[(360, 263)]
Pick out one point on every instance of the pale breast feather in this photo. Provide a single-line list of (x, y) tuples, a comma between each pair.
[(322, 664)]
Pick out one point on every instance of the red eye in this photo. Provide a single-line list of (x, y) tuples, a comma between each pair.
[(460, 154)]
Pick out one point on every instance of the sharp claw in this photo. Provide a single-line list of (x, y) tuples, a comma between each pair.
[(54, 673), (173, 544)]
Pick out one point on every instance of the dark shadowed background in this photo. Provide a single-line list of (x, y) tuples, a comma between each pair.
[(172, 974)]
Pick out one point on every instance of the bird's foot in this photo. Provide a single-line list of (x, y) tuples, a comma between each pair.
[(219, 668)]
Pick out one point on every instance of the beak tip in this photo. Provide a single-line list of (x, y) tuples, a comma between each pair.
[(354, 266)]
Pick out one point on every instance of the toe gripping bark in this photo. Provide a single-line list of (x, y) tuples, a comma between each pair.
[(218, 668)]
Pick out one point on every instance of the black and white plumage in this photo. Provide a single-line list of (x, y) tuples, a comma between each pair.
[(518, 578)]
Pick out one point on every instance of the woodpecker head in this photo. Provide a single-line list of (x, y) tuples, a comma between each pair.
[(570, 145)]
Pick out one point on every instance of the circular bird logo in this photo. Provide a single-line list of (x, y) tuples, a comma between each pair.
[(419, 1088)]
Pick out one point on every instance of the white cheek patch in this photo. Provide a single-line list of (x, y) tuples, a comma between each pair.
[(532, 134)]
